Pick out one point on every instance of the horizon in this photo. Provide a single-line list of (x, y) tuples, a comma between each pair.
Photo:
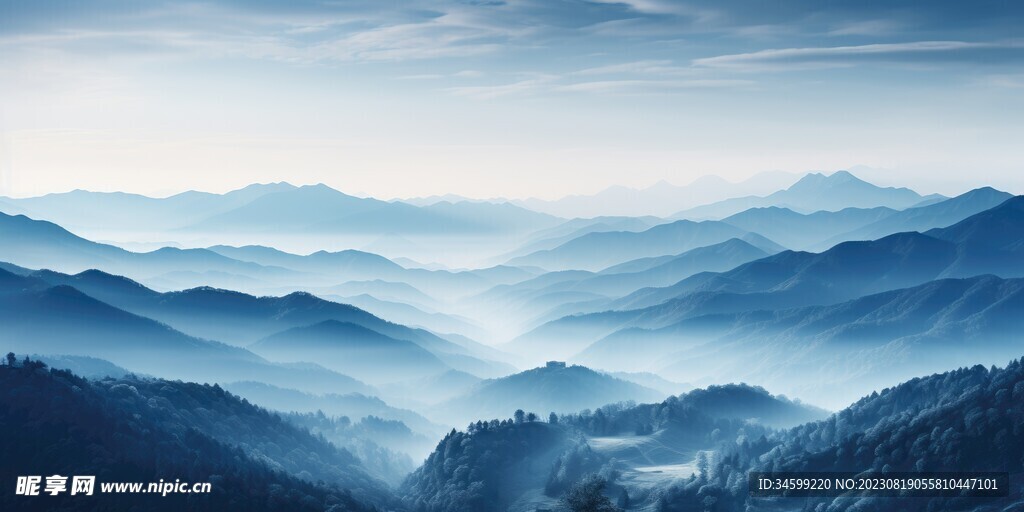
[(450, 196)]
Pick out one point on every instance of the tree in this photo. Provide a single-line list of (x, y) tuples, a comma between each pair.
[(624, 499), (531, 417), (11, 358), (519, 415), (587, 495), (553, 418), (702, 464)]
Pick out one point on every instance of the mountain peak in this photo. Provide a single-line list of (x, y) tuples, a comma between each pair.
[(843, 176), (817, 179)]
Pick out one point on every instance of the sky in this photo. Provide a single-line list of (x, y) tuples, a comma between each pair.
[(532, 98)]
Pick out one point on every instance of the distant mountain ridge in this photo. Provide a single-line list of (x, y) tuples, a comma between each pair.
[(800, 231), (660, 199), (241, 319), (62, 320), (82, 208), (814, 192), (278, 206), (42, 244), (351, 349), (873, 338), (555, 387), (600, 250), (923, 218), (991, 242)]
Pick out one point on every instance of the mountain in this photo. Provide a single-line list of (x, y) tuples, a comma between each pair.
[(81, 209), (270, 207), (382, 446), (814, 192), (144, 430), (653, 381), (850, 269), (351, 349), (319, 209), (787, 279), (353, 405), (494, 466), (957, 421), (524, 464), (556, 294), (61, 320), (575, 228), (596, 251), (406, 314), (661, 199), (801, 231), (923, 218), (662, 271), (988, 242), (431, 390), (386, 439), (384, 290), (554, 387), (351, 263), (41, 244), (242, 319), (831, 354)]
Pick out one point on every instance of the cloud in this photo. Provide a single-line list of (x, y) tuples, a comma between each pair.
[(488, 92), (840, 56), (669, 7), (547, 84), (1012, 81), (650, 86), (643, 66)]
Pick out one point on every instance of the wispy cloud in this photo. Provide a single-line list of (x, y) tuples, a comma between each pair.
[(659, 67), (651, 86), (632, 79), (669, 7), (520, 87), (837, 56)]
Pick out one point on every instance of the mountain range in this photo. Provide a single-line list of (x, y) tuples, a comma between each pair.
[(661, 199), (273, 207), (600, 250), (815, 192), (651, 325)]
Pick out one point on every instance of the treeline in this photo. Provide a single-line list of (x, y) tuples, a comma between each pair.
[(971, 419), (476, 469), (691, 424), (365, 439), (144, 430)]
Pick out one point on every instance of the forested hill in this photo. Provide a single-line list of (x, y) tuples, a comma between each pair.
[(971, 419), (527, 464), (144, 430), (494, 463)]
